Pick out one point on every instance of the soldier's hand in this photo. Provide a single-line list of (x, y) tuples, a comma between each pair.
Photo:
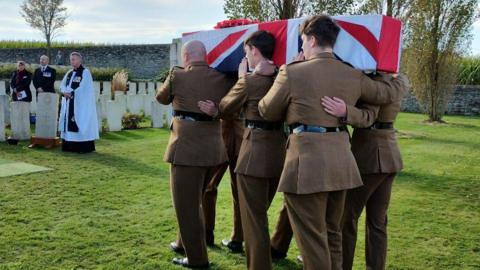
[(243, 67), (67, 95), (299, 57), (265, 68), (334, 106), (208, 107)]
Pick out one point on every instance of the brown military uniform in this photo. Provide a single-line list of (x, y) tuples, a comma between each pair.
[(378, 157), (320, 167), (258, 167), (232, 131), (194, 149)]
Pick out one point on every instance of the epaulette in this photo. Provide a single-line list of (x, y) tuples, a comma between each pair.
[(296, 62), (175, 68)]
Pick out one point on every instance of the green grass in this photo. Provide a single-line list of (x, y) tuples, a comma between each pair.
[(38, 44), (112, 209)]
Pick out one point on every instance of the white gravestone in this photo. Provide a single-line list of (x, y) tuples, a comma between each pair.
[(96, 86), (5, 103), (20, 120), (114, 115), (132, 88), (161, 115), (3, 89), (151, 87), (99, 115), (142, 89), (103, 101), (147, 104), (2, 123), (122, 100), (47, 116), (107, 89), (135, 103)]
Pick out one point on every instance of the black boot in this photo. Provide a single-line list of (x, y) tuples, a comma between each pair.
[(184, 262), (277, 255), (174, 247), (234, 246)]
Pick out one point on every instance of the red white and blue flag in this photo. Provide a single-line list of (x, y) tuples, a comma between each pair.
[(368, 42)]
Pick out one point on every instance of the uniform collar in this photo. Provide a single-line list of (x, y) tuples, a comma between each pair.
[(197, 63), (322, 55)]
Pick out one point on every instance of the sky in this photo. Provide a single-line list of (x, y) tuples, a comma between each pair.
[(132, 21)]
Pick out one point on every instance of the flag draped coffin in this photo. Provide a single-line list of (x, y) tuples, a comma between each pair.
[(368, 42)]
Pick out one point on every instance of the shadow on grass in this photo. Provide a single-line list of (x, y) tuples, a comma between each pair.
[(466, 187), (125, 163), (472, 144)]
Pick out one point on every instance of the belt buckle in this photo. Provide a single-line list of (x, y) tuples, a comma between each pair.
[(250, 125), (298, 129), (318, 129), (188, 118)]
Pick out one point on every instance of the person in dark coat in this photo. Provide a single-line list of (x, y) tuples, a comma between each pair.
[(44, 77), (20, 83)]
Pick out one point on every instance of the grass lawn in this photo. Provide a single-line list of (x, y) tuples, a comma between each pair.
[(112, 209)]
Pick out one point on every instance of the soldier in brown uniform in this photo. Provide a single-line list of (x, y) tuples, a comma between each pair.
[(232, 131), (195, 147), (262, 152), (376, 151), (319, 165)]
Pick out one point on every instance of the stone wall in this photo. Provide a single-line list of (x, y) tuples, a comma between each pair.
[(142, 61), (465, 101)]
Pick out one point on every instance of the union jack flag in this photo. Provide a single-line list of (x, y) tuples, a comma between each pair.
[(368, 42)]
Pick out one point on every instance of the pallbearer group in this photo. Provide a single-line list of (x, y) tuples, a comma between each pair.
[(283, 130)]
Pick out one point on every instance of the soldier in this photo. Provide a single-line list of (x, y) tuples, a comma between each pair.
[(232, 132), (376, 151), (319, 165), (195, 147), (262, 152)]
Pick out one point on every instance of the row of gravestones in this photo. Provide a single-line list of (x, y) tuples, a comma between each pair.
[(109, 108)]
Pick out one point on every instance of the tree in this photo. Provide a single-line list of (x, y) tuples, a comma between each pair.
[(400, 9), (269, 10), (440, 31), (48, 16)]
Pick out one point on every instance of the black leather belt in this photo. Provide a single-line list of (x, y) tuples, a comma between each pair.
[(299, 128), (382, 125), (263, 125), (192, 116)]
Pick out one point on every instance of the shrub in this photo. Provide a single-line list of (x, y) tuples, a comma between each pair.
[(132, 121), (469, 71)]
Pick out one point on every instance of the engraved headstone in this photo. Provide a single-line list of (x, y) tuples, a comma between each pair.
[(47, 116), (114, 115), (20, 120)]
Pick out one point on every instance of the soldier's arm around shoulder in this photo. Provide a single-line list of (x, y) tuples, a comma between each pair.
[(361, 115), (274, 104), (383, 89), (232, 103), (165, 92)]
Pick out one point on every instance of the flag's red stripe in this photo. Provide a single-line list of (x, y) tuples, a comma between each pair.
[(362, 35), (279, 29), (389, 49), (227, 43)]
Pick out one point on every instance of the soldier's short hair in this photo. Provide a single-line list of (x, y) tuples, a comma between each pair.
[(323, 28), (263, 41)]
